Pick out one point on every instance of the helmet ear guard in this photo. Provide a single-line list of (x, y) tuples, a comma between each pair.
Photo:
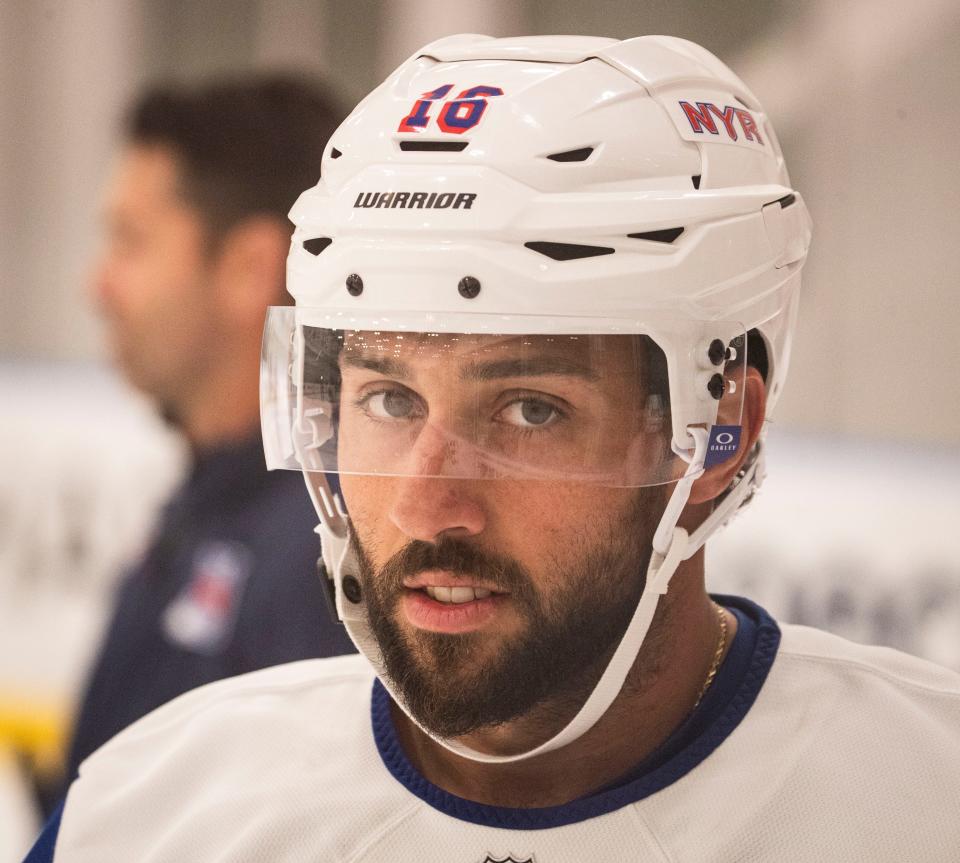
[(495, 219)]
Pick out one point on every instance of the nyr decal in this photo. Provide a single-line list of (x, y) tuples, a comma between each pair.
[(416, 200), (456, 116), (699, 120)]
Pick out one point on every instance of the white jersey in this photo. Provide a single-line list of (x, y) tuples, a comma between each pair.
[(807, 748)]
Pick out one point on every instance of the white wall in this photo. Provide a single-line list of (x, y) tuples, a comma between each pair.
[(856, 538), (862, 94), (67, 68)]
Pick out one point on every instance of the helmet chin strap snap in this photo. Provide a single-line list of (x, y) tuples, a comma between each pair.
[(671, 546)]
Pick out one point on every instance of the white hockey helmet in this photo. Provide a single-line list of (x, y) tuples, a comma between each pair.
[(543, 187)]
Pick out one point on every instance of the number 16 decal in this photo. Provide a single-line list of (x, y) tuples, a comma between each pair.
[(456, 116)]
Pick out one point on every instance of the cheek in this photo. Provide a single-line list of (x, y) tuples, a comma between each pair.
[(570, 508), (357, 493), (120, 278), (365, 498), (546, 525), (156, 286), (558, 527), (347, 435), (169, 275)]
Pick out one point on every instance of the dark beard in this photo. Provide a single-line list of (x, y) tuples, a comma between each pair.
[(559, 657)]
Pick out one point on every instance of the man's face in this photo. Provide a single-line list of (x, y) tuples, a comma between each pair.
[(151, 281), (489, 596)]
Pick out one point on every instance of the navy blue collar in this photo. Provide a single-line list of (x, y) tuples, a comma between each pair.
[(725, 704)]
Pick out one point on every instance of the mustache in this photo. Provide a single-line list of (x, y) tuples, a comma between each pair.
[(460, 558)]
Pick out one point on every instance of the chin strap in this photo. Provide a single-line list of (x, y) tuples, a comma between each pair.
[(671, 545)]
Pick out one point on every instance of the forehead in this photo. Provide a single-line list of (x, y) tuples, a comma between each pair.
[(591, 357)]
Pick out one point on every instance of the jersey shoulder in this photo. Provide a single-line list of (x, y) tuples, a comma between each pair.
[(825, 656), (284, 745), (273, 689), (848, 753), (878, 700)]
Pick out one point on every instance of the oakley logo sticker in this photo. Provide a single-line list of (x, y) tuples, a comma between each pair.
[(723, 443), (456, 116)]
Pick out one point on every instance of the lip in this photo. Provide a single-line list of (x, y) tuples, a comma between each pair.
[(446, 578), (426, 613)]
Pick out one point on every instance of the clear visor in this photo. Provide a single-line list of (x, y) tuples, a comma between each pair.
[(401, 399)]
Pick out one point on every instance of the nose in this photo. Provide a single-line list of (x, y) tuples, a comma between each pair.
[(437, 499), (430, 508)]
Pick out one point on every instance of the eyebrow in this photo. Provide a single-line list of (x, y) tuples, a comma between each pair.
[(532, 367), (542, 366), (382, 365)]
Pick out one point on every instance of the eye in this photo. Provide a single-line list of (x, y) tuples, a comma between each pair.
[(530, 413), (390, 404)]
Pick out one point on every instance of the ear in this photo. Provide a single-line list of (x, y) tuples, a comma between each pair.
[(717, 479), (249, 269)]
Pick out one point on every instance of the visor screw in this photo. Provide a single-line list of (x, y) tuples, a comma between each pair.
[(716, 352), (469, 287), (351, 588), (715, 386), (354, 285)]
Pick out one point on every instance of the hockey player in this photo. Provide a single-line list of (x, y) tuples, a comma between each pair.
[(545, 294)]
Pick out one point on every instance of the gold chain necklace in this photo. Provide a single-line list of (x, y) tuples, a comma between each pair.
[(717, 656)]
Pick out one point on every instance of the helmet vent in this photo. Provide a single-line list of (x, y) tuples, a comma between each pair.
[(335, 153), (786, 201), (568, 251), (696, 181), (667, 235), (433, 146), (317, 244), (580, 155)]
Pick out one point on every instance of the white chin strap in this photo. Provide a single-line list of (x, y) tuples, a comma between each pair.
[(671, 545)]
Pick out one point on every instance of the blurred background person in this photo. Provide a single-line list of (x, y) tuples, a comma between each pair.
[(196, 242)]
